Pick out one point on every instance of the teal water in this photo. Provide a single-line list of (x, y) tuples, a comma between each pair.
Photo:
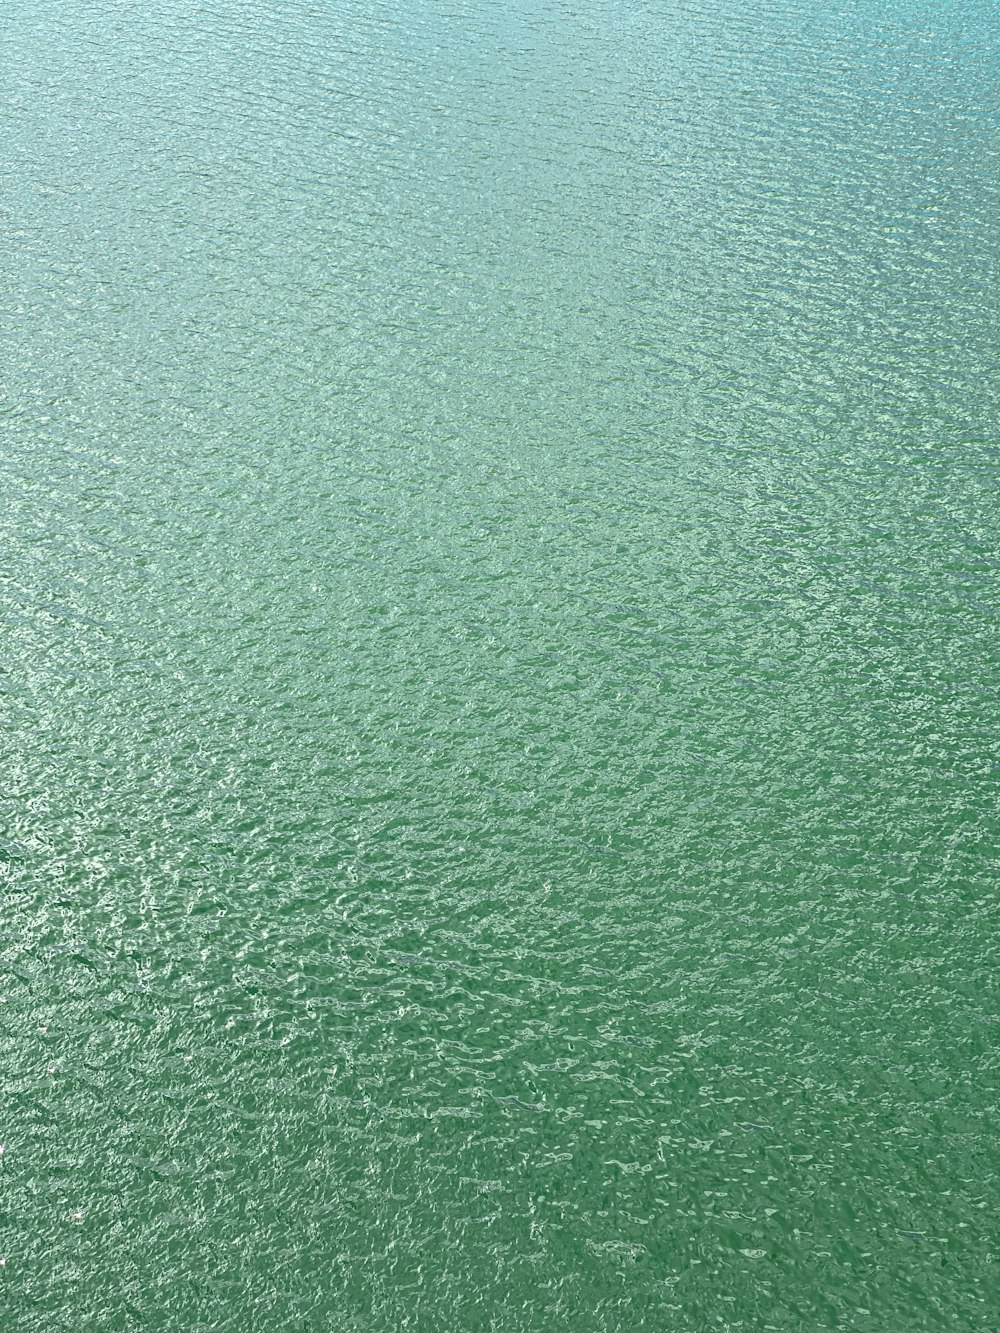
[(501, 735)]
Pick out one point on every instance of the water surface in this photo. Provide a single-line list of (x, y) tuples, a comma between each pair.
[(500, 676)]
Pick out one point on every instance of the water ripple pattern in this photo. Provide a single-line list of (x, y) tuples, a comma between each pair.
[(499, 587)]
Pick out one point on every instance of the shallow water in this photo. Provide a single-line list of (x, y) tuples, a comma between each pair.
[(500, 675)]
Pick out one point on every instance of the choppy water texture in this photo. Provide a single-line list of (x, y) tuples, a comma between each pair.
[(500, 669)]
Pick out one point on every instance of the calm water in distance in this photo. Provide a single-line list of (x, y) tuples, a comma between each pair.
[(500, 559)]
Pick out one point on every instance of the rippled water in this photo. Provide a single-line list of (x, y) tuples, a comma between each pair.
[(500, 668)]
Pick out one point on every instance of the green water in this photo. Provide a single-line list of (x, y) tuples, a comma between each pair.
[(500, 559)]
